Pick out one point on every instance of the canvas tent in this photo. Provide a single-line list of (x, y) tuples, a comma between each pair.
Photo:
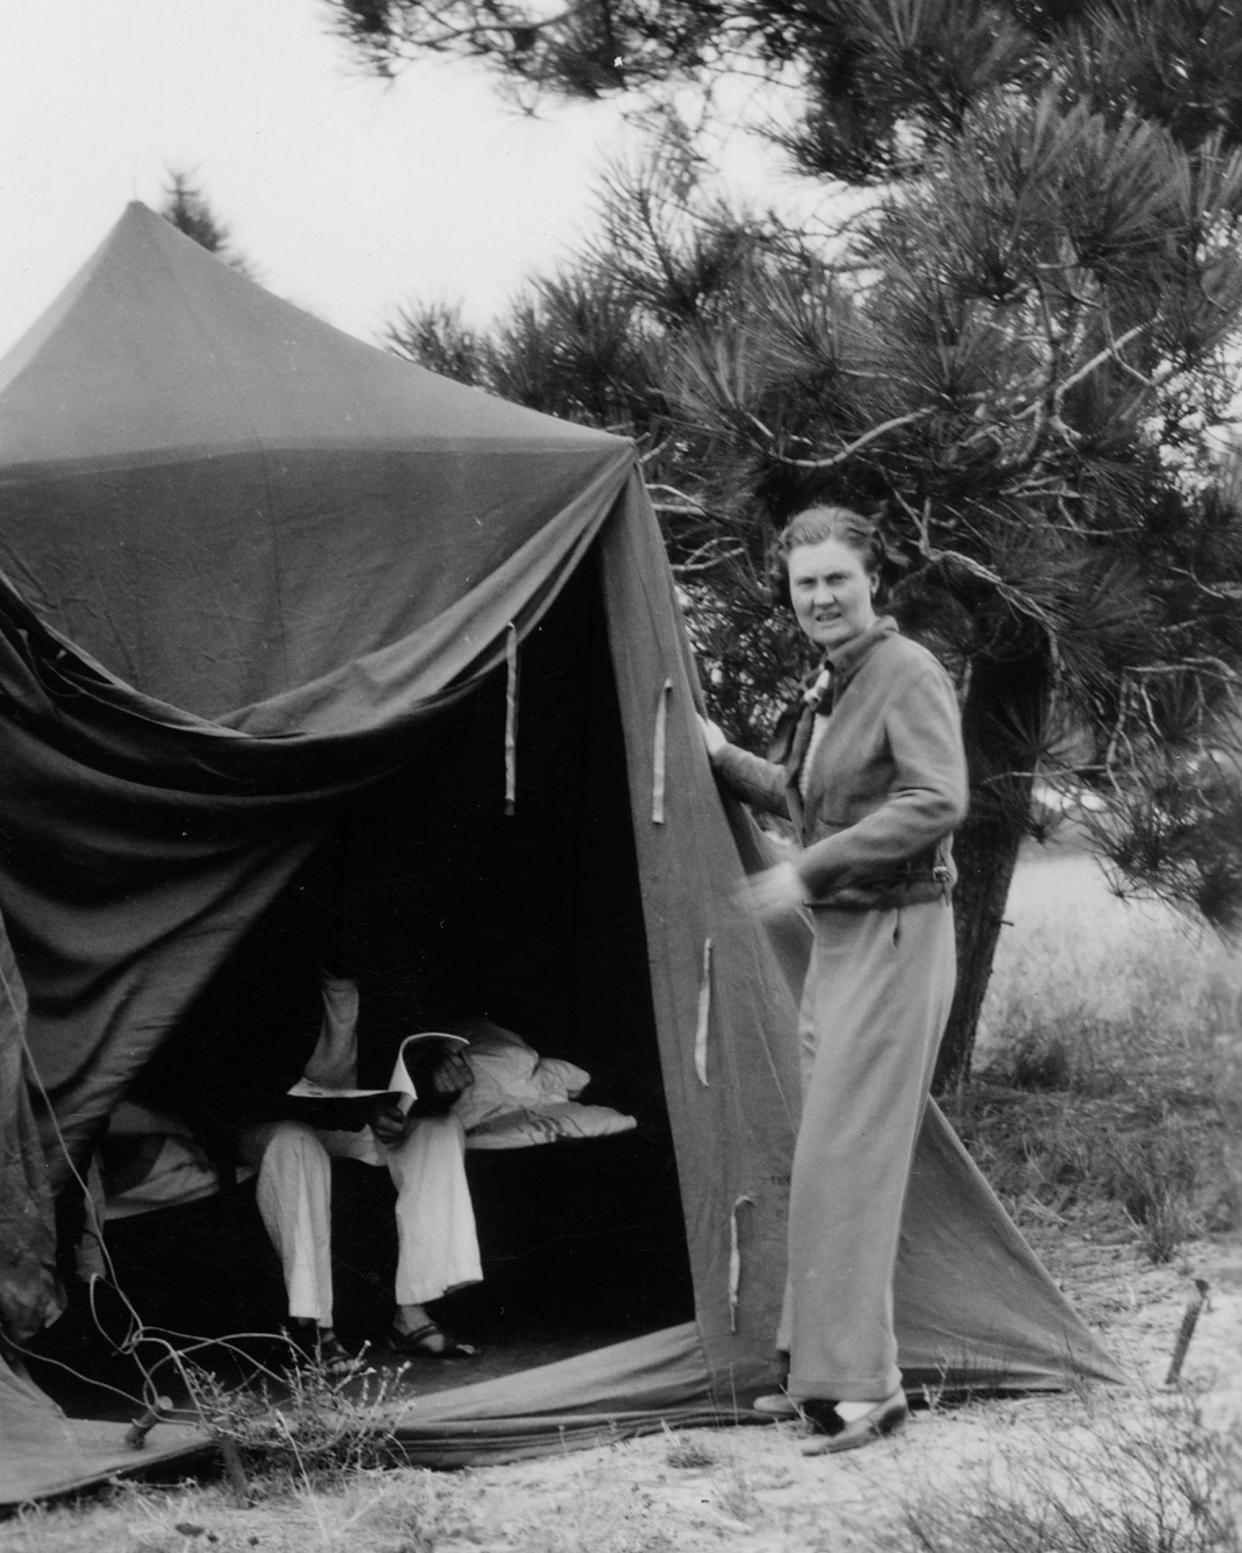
[(265, 585)]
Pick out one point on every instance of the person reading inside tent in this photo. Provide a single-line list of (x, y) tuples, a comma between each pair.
[(408, 1128)]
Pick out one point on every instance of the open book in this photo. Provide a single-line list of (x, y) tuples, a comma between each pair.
[(400, 1083)]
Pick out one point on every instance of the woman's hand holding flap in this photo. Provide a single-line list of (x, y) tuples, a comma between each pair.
[(773, 891), (713, 736)]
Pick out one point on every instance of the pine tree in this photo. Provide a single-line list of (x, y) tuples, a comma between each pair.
[(1017, 354), (186, 206)]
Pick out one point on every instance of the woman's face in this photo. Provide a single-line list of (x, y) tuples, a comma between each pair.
[(832, 593)]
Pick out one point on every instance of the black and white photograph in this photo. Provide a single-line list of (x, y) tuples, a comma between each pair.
[(621, 776)]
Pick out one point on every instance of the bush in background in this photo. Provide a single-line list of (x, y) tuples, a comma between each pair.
[(1108, 1063)]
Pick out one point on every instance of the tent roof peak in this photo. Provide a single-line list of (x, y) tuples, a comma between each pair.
[(156, 345)]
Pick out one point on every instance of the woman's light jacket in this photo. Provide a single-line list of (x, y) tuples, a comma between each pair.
[(886, 786)]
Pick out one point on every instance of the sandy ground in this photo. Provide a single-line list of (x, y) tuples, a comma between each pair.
[(756, 1492), (751, 1489)]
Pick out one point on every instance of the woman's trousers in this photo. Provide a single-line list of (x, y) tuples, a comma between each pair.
[(874, 1008)]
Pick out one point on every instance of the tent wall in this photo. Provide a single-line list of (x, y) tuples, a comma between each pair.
[(726, 1012)]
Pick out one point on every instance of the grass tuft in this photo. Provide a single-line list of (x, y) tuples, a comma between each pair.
[(1155, 1179), (1156, 1480), (687, 1455)]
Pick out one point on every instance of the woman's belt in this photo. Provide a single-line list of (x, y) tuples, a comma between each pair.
[(913, 888)]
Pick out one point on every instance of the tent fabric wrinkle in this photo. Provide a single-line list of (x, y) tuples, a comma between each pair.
[(257, 577)]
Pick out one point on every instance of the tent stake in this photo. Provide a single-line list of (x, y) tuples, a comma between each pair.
[(1190, 1320), (136, 1434)]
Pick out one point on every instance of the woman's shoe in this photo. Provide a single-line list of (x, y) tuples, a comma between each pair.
[(821, 1416), (777, 1404), (430, 1341), (881, 1419)]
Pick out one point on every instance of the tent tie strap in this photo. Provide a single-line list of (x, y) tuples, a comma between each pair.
[(511, 717), (735, 1258), (705, 1013), (660, 753)]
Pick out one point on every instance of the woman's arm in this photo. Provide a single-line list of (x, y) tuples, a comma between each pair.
[(926, 802), (755, 781)]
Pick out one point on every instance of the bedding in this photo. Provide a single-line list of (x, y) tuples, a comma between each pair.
[(150, 1159)]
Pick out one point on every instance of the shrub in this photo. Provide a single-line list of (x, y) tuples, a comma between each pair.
[(1156, 1480), (1102, 1087), (302, 1426), (1154, 1178)]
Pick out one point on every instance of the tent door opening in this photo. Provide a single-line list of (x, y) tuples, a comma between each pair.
[(446, 907)]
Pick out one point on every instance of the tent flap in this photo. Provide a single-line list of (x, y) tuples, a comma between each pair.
[(29, 1288), (43, 1453)]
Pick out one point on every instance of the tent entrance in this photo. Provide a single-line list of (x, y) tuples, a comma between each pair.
[(446, 906)]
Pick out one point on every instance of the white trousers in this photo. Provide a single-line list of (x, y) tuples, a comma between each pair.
[(437, 1247)]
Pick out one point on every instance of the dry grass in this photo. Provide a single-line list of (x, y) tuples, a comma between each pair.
[(1106, 1085), (1151, 1479), (300, 1426)]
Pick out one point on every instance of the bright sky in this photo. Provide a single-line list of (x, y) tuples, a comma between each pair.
[(347, 196)]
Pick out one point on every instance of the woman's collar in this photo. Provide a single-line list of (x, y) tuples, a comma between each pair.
[(846, 658)]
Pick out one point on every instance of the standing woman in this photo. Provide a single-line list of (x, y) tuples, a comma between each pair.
[(874, 781)]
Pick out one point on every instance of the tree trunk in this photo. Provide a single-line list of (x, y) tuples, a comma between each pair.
[(1003, 719), (987, 852)]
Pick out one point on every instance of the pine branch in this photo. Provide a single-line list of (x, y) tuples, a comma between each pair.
[(854, 447), (1111, 352), (690, 504)]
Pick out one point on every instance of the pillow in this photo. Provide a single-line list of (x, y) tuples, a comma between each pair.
[(552, 1122), (509, 1074), (559, 1079)]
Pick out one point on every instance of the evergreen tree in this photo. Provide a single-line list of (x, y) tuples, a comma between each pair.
[(187, 208), (1016, 354)]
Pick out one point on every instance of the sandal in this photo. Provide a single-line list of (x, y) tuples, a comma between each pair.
[(430, 1341), (321, 1346)]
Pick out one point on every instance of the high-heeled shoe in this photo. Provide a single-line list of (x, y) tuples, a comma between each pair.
[(834, 1434), (777, 1404)]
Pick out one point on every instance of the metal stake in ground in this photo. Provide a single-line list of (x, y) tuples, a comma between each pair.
[(1190, 1320)]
